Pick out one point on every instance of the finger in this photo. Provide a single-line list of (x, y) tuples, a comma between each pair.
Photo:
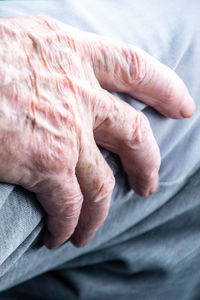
[(126, 132), (97, 181), (124, 68), (62, 201)]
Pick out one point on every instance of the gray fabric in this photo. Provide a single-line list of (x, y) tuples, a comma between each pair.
[(148, 248), (144, 251)]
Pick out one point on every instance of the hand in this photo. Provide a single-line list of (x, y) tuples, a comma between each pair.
[(54, 109)]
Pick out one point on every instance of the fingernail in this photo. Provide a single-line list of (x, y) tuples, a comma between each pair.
[(188, 108)]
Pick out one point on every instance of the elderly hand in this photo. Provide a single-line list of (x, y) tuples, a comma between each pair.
[(54, 109)]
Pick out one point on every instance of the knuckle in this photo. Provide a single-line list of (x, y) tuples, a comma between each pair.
[(58, 200), (138, 68), (111, 181), (149, 175), (142, 127), (72, 205), (140, 130), (105, 189), (71, 210), (169, 94)]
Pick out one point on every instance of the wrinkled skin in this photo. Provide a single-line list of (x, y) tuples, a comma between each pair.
[(55, 108)]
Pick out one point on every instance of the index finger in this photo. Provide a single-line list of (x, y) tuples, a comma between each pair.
[(122, 67)]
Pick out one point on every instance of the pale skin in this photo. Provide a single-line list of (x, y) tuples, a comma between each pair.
[(55, 109)]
